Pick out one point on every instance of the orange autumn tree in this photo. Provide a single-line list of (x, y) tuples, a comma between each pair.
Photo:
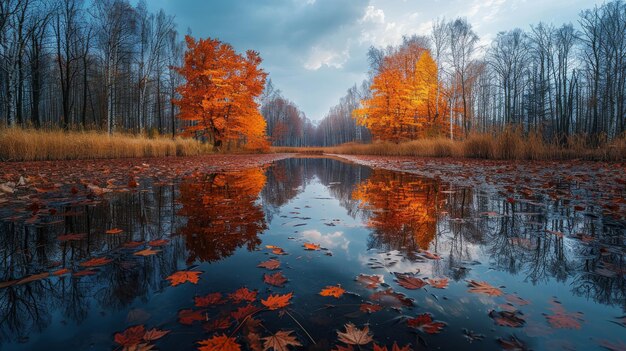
[(219, 96), (404, 100)]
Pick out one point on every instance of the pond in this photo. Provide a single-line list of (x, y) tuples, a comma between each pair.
[(346, 252)]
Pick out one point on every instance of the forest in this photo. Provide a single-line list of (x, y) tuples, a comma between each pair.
[(117, 67)]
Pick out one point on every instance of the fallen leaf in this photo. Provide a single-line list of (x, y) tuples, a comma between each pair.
[(409, 282), (370, 307), (184, 276), (158, 242), (146, 252), (311, 247), (208, 300), (395, 347), (507, 318), (275, 302), (562, 319), (189, 316), (276, 279), (243, 294), (94, 262), (270, 264), (242, 312), (483, 288), (114, 231), (425, 323), (354, 335), (280, 341), (335, 291), (131, 336), (370, 281), (219, 343), (154, 334)]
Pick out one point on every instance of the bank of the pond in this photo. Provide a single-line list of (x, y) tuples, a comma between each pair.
[(505, 146)]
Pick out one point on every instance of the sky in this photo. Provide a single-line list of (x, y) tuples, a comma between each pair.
[(314, 50)]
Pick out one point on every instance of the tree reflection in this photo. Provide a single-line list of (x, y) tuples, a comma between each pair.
[(402, 208), (222, 213)]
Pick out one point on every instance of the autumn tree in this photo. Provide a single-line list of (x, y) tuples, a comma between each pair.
[(405, 99), (218, 98)]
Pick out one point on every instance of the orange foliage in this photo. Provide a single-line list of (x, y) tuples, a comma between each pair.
[(222, 213), (403, 209), (404, 100), (218, 98)]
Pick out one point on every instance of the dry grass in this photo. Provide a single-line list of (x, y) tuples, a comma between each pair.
[(31, 145), (508, 145)]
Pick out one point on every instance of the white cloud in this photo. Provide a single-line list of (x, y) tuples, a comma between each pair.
[(330, 240), (320, 56)]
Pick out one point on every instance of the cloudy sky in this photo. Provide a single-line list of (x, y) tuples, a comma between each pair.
[(314, 50)]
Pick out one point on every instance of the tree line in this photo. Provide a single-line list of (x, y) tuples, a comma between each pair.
[(557, 81), (102, 64)]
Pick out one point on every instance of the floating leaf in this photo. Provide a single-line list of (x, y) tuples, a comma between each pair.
[(154, 334), (354, 335), (94, 262), (131, 336), (158, 242), (189, 316), (395, 347), (270, 264), (425, 323), (243, 294), (440, 283), (370, 307), (219, 343), (209, 300), (311, 247), (483, 288), (184, 276), (275, 302), (335, 291), (146, 252), (242, 312), (280, 341), (276, 279), (114, 231), (410, 282), (370, 281), (507, 318)]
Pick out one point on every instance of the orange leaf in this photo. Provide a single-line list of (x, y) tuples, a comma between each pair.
[(94, 262), (270, 264), (280, 341), (483, 288), (184, 276), (335, 291), (276, 279), (242, 312), (370, 281), (158, 242), (146, 252), (275, 302), (114, 231), (154, 334), (208, 300), (310, 246), (187, 317), (243, 294), (370, 308), (219, 343), (354, 335), (425, 323), (409, 282), (131, 336), (441, 283)]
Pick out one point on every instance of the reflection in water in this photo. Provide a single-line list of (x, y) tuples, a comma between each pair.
[(215, 217), (402, 210), (222, 213)]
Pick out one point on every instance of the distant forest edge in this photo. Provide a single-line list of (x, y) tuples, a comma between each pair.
[(110, 66)]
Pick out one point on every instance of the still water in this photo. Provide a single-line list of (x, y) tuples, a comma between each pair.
[(556, 276)]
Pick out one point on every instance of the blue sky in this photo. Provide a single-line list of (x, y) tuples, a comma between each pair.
[(314, 50)]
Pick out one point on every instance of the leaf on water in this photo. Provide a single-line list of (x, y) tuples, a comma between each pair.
[(562, 319), (429, 255), (61, 271), (209, 300), (84, 272), (354, 335), (95, 262), (276, 279), (217, 324), (184, 276), (370, 307), (483, 288), (146, 252), (275, 302), (391, 297), (516, 300), (395, 347), (311, 246), (189, 316), (71, 237), (507, 318), (158, 242), (131, 336), (409, 282), (219, 343), (280, 341), (242, 312), (243, 294), (154, 334), (270, 264), (114, 231), (439, 283), (276, 250), (512, 343), (370, 281), (132, 244), (335, 291), (424, 322)]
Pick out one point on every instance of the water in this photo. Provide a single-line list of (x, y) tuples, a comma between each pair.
[(366, 221)]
